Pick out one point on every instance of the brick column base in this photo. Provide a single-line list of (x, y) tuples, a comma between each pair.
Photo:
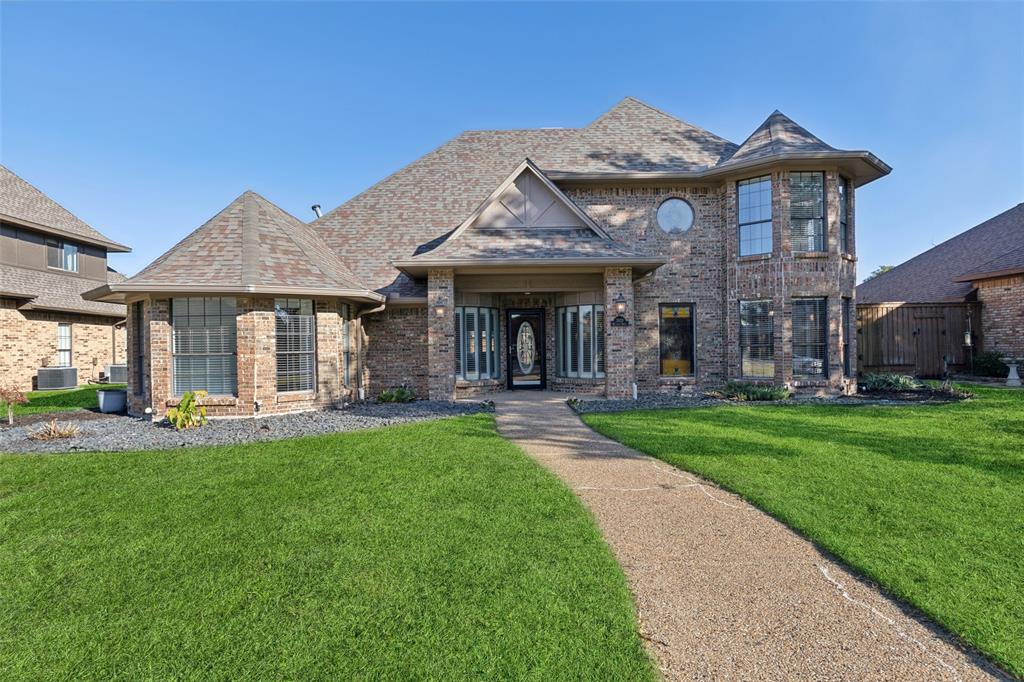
[(620, 339)]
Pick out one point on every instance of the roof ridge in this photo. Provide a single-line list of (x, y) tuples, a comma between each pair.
[(660, 112)]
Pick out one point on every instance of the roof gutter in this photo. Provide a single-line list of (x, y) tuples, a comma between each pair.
[(990, 275), (417, 267), (117, 292)]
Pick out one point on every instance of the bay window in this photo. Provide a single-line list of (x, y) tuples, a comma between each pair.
[(675, 339), (295, 323), (754, 210), (203, 345), (579, 341), (477, 353), (810, 336), (807, 211)]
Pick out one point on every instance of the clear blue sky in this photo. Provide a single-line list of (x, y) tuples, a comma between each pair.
[(146, 119)]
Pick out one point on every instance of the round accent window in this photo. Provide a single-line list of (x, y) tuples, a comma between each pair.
[(675, 216)]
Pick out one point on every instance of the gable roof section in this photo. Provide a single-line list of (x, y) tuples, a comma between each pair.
[(527, 199), (944, 272), (22, 203), (251, 246)]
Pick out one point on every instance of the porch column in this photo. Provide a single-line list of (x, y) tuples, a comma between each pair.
[(620, 331), (441, 333)]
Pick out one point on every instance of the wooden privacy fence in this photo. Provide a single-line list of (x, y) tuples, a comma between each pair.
[(913, 338)]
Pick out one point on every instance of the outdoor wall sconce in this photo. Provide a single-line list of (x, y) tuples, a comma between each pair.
[(439, 310), (619, 305), (967, 333)]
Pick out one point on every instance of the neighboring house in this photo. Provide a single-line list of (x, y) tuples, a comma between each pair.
[(983, 264), (639, 251), (48, 258)]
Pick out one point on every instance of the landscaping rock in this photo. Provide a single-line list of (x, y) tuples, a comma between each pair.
[(120, 433)]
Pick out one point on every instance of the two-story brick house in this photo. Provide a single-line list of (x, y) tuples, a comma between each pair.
[(48, 258), (637, 253)]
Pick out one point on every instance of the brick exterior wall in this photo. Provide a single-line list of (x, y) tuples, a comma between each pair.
[(1002, 314), (620, 362), (396, 350), (256, 357), (441, 334), (28, 341)]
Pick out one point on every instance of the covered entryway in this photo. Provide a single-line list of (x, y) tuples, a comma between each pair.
[(526, 345)]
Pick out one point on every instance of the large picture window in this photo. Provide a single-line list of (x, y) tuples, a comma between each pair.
[(807, 210), (477, 352), (810, 336), (757, 339), (63, 344), (754, 204), (843, 188), (579, 341), (295, 324), (204, 353), (675, 333)]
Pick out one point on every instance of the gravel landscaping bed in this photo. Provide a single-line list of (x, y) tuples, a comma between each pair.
[(120, 433), (654, 402)]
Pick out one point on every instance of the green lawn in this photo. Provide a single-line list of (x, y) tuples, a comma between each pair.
[(433, 550), (58, 401), (926, 500)]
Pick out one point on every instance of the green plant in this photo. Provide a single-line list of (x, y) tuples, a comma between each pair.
[(743, 391), (399, 394), (190, 412), (10, 396), (884, 382), (54, 431), (989, 363)]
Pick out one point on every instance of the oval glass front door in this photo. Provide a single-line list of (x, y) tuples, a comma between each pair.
[(526, 349)]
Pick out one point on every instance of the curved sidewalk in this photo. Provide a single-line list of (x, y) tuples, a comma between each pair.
[(724, 591)]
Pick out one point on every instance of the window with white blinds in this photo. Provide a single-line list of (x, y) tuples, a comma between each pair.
[(757, 339), (807, 210), (477, 353), (579, 341), (346, 340), (204, 348), (754, 209), (63, 344), (848, 331), (295, 323), (843, 188), (810, 336)]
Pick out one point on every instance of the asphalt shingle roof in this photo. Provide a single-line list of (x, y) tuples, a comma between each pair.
[(779, 134), (251, 243), (996, 244), (23, 202), (55, 291)]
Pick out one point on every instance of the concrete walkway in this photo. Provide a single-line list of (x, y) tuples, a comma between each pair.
[(724, 591)]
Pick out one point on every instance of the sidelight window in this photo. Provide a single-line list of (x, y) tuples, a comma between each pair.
[(476, 343), (579, 341)]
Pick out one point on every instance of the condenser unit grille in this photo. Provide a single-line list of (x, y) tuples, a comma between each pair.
[(117, 374), (52, 378)]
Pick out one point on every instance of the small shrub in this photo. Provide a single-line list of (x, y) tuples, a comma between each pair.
[(885, 382), (55, 431), (989, 363), (10, 396), (400, 394), (742, 391), (947, 390), (189, 413)]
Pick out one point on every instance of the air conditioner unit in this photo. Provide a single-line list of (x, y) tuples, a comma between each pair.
[(117, 374), (52, 378)]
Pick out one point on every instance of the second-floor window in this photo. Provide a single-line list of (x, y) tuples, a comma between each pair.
[(807, 210), (843, 188), (754, 208), (61, 255)]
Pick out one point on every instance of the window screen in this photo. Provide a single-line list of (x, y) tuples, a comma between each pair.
[(296, 344), (61, 255), (63, 344), (757, 339), (843, 187), (807, 211), (754, 208), (204, 354), (580, 341), (810, 336), (476, 343), (675, 332)]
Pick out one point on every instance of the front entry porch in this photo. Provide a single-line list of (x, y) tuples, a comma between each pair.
[(555, 331)]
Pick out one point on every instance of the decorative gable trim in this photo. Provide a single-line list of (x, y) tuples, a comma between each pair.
[(503, 203)]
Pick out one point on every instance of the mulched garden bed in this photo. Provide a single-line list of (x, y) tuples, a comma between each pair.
[(107, 433)]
